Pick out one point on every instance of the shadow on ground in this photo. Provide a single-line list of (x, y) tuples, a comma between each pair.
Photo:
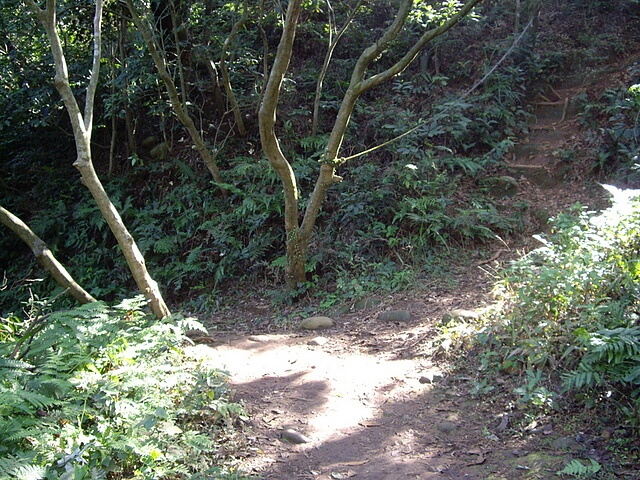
[(374, 417)]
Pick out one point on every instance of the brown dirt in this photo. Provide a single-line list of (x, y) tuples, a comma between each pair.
[(365, 400)]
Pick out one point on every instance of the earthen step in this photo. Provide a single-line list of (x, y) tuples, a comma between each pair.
[(536, 174)]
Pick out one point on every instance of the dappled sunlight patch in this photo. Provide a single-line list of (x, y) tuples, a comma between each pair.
[(355, 382)]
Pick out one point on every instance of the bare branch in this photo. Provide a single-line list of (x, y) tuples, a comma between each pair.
[(333, 42), (95, 68), (406, 60), (226, 79)]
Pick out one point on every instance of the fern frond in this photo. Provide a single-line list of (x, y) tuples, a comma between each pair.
[(30, 472), (136, 303), (21, 468), (11, 364), (617, 344), (12, 431), (14, 369), (633, 376), (576, 468), (585, 376), (35, 399), (190, 323)]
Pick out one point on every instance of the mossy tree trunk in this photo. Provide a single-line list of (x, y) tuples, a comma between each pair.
[(82, 123), (298, 233)]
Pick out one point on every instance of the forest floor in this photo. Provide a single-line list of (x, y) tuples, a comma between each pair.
[(372, 399)]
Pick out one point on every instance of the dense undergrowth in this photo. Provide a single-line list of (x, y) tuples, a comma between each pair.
[(398, 209), (87, 380), (564, 337), (395, 210), (108, 392), (392, 212)]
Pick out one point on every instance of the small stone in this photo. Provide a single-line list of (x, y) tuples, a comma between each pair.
[(160, 151), (318, 341), (259, 338), (341, 310), (447, 426), (291, 435), (431, 377), (459, 314), (504, 423), (367, 303), (504, 186), (606, 433), (150, 141), (316, 323), (395, 316), (565, 443), (582, 438)]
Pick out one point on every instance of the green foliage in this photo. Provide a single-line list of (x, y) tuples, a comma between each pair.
[(570, 308), (532, 393), (383, 223), (575, 468), (615, 129), (99, 391), (611, 357)]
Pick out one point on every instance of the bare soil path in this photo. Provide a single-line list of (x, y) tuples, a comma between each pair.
[(375, 400)]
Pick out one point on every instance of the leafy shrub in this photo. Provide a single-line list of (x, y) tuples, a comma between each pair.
[(615, 129), (98, 391), (571, 306)]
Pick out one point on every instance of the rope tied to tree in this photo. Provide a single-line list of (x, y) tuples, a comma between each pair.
[(341, 160)]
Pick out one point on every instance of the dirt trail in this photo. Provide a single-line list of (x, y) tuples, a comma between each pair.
[(372, 400)]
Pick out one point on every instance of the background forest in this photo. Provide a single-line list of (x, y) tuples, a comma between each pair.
[(176, 141)]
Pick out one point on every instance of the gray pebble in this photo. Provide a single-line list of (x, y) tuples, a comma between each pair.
[(291, 435)]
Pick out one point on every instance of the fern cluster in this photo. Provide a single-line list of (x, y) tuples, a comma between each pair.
[(612, 356), (98, 392)]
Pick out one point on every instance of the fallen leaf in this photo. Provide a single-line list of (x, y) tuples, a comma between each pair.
[(354, 464), (341, 475)]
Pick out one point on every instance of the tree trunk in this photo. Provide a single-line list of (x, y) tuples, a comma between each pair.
[(130, 250), (179, 108), (82, 129), (298, 234), (296, 241), (45, 256), (295, 270)]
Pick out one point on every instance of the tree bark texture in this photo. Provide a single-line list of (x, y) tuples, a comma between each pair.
[(82, 129), (45, 256)]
